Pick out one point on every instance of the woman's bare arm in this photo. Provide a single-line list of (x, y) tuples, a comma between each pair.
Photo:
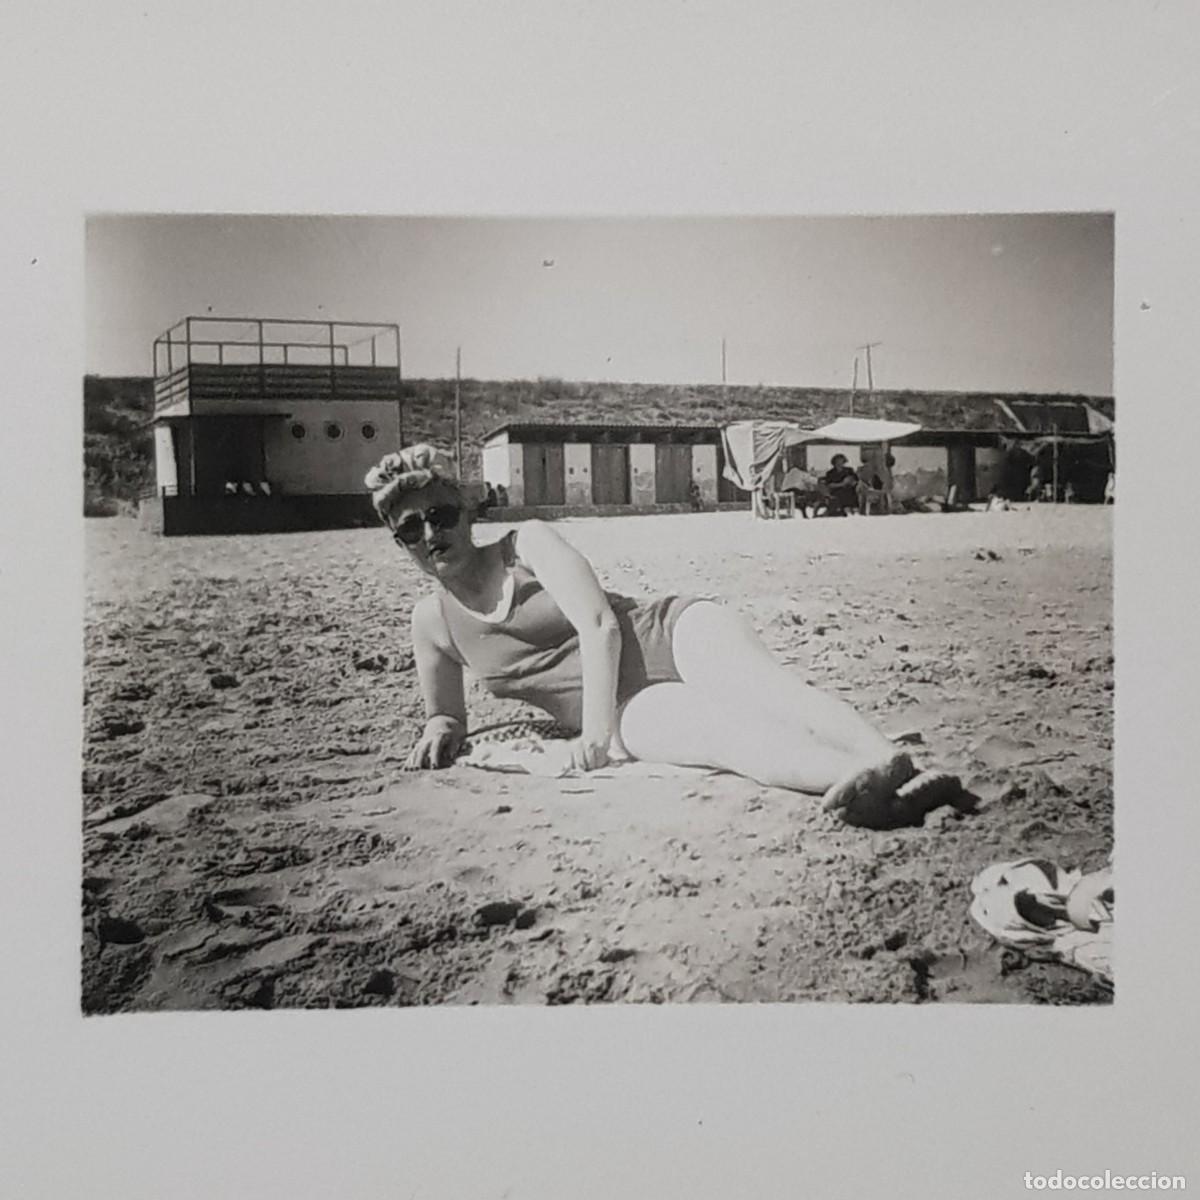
[(573, 585), (440, 674)]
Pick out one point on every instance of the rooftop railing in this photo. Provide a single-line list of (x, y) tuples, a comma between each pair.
[(261, 342), (215, 360)]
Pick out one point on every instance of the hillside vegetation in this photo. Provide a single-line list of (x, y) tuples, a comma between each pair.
[(119, 448), (118, 445)]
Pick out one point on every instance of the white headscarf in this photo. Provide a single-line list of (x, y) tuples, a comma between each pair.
[(407, 470)]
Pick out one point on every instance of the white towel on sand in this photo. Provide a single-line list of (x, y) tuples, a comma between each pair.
[(1035, 906), (543, 748)]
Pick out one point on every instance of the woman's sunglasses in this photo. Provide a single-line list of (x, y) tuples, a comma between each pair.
[(439, 518)]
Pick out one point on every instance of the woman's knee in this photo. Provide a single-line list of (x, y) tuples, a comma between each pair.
[(677, 722), (682, 724), (656, 716)]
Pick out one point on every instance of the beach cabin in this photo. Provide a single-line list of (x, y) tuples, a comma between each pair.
[(607, 468), (263, 424)]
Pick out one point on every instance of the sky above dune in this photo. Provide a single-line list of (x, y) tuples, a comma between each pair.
[(989, 303)]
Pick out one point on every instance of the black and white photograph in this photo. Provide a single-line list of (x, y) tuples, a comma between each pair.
[(548, 611), (574, 619)]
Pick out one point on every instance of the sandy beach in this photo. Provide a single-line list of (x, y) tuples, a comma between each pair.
[(251, 841)]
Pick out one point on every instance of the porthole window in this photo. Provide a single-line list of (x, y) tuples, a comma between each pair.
[(368, 431), (299, 432), (333, 430)]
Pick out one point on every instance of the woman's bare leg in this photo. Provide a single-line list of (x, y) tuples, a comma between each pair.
[(717, 650), (691, 727), (718, 653)]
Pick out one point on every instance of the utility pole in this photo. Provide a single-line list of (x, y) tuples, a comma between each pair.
[(867, 346), (722, 362), (458, 455), (399, 385), (1054, 431), (854, 385)]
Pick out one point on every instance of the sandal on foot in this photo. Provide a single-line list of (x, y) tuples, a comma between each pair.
[(923, 793), (867, 788), (906, 805)]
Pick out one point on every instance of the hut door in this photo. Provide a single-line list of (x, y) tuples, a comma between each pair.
[(672, 473), (961, 462), (610, 474), (545, 477)]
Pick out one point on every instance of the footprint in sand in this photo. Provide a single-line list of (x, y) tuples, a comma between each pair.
[(247, 897), (118, 931), (473, 878), (999, 750)]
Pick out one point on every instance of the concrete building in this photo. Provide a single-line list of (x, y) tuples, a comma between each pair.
[(262, 424)]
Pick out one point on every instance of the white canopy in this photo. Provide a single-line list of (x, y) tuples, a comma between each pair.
[(855, 431), (849, 431), (752, 448)]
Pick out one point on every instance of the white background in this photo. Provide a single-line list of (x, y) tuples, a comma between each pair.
[(617, 108)]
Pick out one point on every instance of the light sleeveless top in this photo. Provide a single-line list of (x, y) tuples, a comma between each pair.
[(530, 652)]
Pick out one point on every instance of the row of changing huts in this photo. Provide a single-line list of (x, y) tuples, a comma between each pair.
[(582, 466), (260, 425), (585, 467)]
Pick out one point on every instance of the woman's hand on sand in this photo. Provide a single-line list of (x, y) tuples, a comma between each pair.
[(440, 743), (587, 754)]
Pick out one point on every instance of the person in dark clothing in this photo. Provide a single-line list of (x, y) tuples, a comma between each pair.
[(841, 480), (487, 502)]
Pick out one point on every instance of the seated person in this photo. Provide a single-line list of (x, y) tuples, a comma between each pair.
[(806, 488), (879, 484), (872, 487), (841, 482), (487, 501)]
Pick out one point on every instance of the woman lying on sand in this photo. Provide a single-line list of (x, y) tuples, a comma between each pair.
[(679, 680)]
